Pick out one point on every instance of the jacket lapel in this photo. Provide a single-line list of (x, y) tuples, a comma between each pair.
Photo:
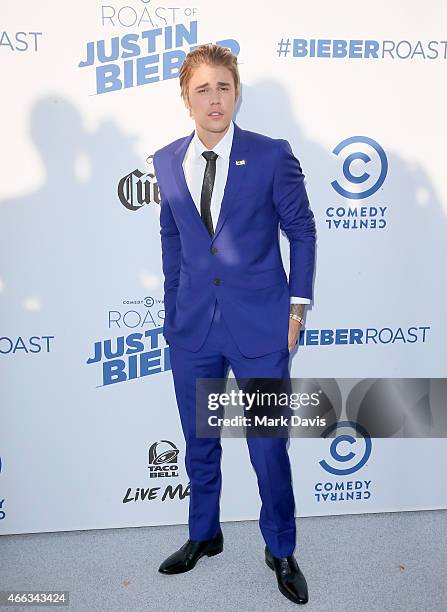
[(235, 176), (179, 176)]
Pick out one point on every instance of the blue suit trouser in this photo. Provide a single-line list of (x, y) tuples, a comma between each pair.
[(268, 455)]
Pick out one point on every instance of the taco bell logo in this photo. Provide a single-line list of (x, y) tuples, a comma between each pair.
[(163, 459)]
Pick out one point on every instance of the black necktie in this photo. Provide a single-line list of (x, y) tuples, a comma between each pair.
[(207, 189)]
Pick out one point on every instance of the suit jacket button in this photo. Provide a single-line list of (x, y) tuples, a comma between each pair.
[(214, 250), (217, 281)]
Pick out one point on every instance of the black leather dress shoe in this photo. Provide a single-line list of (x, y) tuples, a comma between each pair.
[(291, 581), (187, 556)]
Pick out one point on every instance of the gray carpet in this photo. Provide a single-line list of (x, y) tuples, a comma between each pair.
[(380, 562)]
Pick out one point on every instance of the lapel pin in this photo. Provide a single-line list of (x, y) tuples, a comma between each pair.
[(240, 162)]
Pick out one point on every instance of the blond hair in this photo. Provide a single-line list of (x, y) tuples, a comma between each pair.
[(214, 55)]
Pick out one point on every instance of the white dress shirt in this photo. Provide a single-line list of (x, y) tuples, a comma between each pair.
[(194, 168)]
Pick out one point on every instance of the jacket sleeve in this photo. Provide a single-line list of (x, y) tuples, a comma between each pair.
[(296, 219), (170, 251)]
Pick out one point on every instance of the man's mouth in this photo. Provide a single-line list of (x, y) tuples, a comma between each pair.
[(215, 114)]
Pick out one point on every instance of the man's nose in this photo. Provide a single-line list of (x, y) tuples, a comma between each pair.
[(215, 97)]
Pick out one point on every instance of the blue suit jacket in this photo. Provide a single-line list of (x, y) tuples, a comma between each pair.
[(241, 264)]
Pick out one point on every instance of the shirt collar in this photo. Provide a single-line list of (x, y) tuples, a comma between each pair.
[(222, 148)]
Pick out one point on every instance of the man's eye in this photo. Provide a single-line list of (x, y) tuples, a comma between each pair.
[(202, 90)]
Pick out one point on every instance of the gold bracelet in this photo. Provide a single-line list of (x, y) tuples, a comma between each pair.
[(296, 317)]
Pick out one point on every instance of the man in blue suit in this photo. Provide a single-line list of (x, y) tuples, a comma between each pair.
[(228, 301)]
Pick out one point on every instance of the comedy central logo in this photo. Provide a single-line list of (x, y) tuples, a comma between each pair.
[(347, 455), (363, 167), (163, 460)]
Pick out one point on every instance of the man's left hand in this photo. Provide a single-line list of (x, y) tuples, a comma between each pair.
[(294, 331), (294, 325)]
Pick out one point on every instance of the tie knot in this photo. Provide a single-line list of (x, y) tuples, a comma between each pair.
[(210, 155)]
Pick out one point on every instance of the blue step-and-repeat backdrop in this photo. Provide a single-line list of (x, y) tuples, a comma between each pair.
[(90, 435)]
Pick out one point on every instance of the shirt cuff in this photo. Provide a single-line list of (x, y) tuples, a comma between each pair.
[(299, 300)]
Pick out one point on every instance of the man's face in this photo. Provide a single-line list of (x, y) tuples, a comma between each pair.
[(211, 95)]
